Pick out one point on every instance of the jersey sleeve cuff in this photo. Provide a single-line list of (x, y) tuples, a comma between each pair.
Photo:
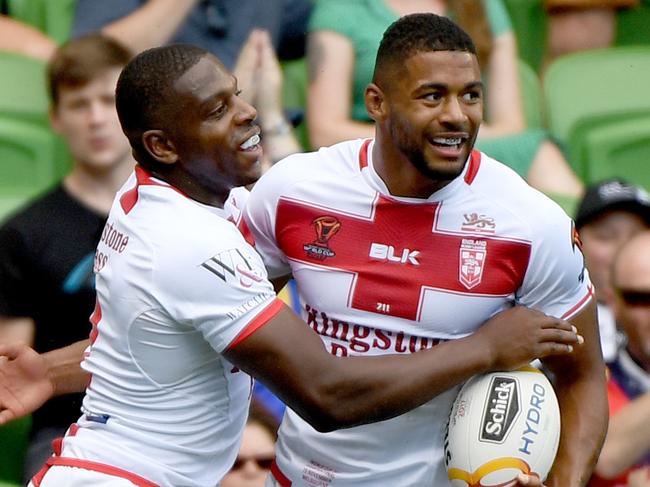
[(258, 322)]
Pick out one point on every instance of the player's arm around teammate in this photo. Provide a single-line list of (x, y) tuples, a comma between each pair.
[(327, 391)]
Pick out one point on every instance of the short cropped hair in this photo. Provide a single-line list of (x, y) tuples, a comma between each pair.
[(423, 32), (79, 61), (146, 84)]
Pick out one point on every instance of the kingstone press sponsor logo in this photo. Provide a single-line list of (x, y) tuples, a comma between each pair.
[(501, 409)]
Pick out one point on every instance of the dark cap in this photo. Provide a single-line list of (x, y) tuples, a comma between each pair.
[(613, 194)]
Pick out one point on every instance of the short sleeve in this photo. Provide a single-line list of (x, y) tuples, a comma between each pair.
[(332, 15), (498, 17), (219, 287), (91, 15), (556, 282)]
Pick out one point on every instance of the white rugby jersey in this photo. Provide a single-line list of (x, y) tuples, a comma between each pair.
[(176, 285), (379, 274)]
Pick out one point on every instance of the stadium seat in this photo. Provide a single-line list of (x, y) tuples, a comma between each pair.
[(24, 126), (27, 158), (592, 88), (529, 22), (632, 25), (619, 148), (23, 95), (53, 17), (13, 444)]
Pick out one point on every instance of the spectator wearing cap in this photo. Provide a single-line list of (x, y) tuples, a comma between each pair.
[(625, 457), (610, 213)]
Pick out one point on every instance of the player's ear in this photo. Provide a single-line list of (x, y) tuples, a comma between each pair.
[(159, 146), (375, 102)]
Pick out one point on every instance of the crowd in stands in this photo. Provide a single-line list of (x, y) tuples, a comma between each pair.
[(47, 245)]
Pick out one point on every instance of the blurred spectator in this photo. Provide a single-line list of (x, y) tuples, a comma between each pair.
[(611, 213), (257, 450), (578, 25), (259, 77), (219, 26), (46, 249), (627, 444), (341, 58), (24, 39)]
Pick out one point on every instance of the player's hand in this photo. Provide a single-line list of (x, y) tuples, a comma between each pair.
[(24, 381), (517, 336), (529, 480), (639, 477)]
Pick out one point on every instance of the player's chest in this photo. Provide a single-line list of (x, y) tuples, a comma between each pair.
[(401, 259)]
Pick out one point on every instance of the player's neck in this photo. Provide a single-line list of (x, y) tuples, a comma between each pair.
[(399, 175), (96, 188)]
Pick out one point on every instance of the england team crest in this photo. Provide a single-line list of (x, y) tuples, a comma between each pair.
[(472, 262)]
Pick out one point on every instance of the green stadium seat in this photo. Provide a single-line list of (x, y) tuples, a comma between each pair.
[(27, 158), (530, 23), (590, 88), (633, 26), (53, 17), (23, 95), (13, 444), (619, 148)]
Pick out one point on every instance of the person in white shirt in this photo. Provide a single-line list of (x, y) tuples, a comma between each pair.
[(411, 240), (185, 313)]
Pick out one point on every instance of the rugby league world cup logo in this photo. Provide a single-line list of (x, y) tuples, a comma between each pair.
[(325, 227)]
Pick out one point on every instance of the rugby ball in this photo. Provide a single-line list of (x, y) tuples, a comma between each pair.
[(501, 424)]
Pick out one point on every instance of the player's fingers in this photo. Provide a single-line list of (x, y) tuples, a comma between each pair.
[(563, 336), (529, 480), (11, 351), (557, 323), (5, 416), (553, 348)]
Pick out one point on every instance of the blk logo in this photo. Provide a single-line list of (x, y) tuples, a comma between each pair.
[(387, 253)]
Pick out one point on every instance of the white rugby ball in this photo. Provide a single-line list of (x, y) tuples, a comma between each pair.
[(501, 424)]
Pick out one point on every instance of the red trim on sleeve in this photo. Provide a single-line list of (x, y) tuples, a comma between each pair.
[(282, 479), (474, 165), (258, 322), (581, 304), (95, 467), (363, 154)]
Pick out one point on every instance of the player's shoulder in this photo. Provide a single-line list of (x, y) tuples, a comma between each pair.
[(332, 162), (502, 186)]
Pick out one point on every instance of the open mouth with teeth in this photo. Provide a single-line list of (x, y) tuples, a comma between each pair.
[(448, 142), (251, 144)]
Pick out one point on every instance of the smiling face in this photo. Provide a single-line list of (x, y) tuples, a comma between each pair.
[(213, 130), (430, 113)]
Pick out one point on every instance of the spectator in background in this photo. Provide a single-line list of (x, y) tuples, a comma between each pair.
[(46, 249), (578, 25), (611, 213), (627, 444), (219, 26), (257, 449), (341, 59)]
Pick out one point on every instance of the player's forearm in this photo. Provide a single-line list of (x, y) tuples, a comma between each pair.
[(584, 409), (64, 368), (384, 387), (153, 24), (628, 438)]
